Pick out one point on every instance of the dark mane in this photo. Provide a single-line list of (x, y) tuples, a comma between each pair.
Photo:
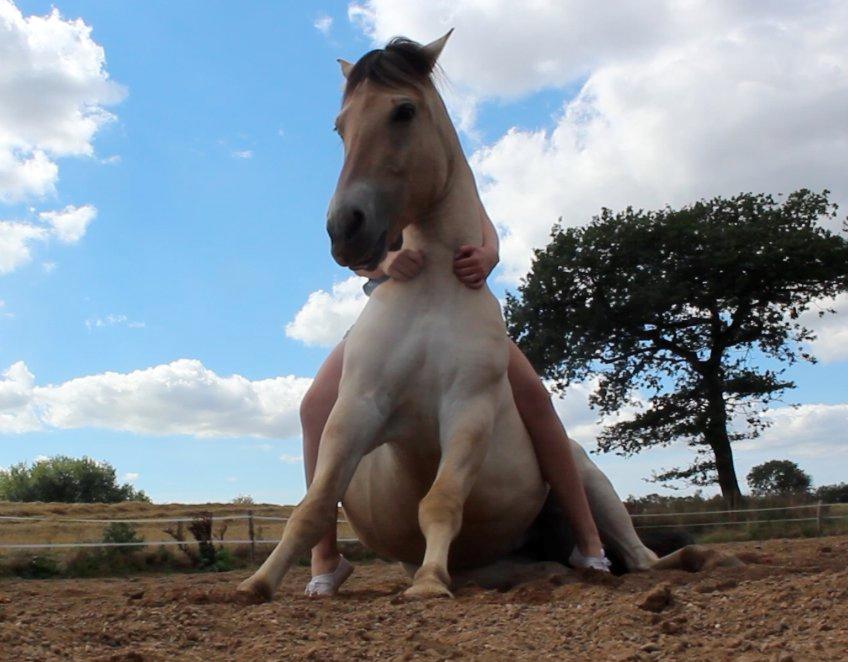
[(401, 63)]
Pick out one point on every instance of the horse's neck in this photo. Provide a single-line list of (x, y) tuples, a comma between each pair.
[(456, 220)]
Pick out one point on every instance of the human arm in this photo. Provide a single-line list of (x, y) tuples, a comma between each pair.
[(473, 264), (401, 265)]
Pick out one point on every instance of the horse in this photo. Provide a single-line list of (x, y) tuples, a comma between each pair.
[(424, 446)]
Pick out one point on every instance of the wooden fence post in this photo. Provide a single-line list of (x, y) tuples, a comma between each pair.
[(252, 536), (819, 518)]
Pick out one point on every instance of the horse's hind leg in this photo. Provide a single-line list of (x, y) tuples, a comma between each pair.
[(611, 517), (466, 438), (348, 435)]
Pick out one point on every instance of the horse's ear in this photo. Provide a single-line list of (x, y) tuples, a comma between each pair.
[(346, 67), (434, 48)]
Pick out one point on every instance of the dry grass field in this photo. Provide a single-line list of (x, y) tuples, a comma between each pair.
[(53, 530)]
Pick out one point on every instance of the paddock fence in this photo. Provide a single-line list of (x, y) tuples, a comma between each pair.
[(819, 516)]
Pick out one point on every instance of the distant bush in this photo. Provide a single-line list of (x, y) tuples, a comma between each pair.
[(837, 493), (40, 567), (66, 479), (243, 500), (121, 532)]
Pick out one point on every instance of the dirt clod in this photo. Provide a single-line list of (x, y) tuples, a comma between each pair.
[(656, 599)]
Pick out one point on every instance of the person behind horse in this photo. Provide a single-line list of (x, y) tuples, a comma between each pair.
[(472, 265)]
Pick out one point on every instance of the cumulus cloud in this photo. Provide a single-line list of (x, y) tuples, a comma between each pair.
[(131, 476), (17, 238), (69, 224), (54, 90), (812, 430), (676, 101), (326, 316), (17, 410), (182, 397), (831, 343)]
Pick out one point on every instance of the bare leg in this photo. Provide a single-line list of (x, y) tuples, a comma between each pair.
[(350, 433), (314, 411), (553, 449)]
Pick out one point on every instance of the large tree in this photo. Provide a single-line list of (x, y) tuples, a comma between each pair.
[(779, 478), (688, 316)]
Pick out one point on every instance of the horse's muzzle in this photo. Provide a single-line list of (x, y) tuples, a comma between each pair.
[(357, 230)]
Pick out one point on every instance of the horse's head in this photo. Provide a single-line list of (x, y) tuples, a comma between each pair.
[(397, 155)]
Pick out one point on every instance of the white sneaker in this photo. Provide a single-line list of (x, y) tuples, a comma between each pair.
[(327, 585), (577, 560)]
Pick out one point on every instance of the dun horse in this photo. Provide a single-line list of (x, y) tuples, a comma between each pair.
[(424, 447)]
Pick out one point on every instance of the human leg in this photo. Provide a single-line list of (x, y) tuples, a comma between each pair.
[(315, 408), (553, 449)]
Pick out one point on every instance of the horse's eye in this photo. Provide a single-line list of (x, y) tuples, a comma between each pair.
[(403, 112)]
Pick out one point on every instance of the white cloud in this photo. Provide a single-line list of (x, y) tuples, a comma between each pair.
[(182, 397), (832, 329), (326, 316), (291, 459), (676, 101), (16, 239), (242, 154), (131, 476), (53, 92), (323, 24), (812, 430), (112, 320), (17, 410), (69, 224)]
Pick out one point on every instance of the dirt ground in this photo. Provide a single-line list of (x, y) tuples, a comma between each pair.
[(789, 603)]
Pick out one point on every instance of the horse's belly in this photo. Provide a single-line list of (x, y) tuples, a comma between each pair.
[(382, 501)]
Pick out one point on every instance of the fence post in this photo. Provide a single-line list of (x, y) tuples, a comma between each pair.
[(252, 536), (819, 518)]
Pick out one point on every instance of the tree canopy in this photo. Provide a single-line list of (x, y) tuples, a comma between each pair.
[(779, 478), (688, 316), (66, 479)]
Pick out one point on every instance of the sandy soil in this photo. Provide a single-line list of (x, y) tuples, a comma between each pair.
[(789, 603)]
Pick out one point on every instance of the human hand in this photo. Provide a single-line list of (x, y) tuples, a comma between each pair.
[(404, 264), (473, 264)]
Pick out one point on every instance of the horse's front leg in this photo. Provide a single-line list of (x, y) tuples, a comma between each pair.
[(352, 430), (465, 430)]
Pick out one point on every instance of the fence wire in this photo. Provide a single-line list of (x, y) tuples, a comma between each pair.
[(270, 518)]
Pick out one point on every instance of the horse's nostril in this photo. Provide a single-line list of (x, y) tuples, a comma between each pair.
[(357, 219)]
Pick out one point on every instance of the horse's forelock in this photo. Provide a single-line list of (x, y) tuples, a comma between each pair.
[(402, 63)]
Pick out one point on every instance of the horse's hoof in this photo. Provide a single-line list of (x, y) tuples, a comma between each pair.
[(253, 592), (427, 589)]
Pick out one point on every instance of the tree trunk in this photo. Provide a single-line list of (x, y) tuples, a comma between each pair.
[(716, 436)]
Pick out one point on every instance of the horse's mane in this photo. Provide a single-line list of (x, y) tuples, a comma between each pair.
[(402, 63)]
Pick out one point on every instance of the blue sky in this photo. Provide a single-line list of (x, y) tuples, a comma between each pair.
[(210, 185)]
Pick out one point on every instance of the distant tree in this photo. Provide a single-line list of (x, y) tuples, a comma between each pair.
[(66, 479), (837, 493), (243, 500), (674, 311), (779, 478)]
